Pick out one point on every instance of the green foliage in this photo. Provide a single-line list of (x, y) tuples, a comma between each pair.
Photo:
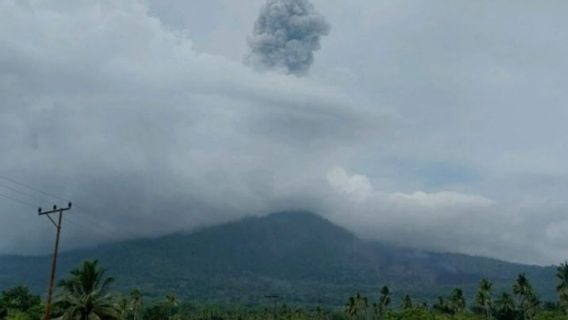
[(20, 303), (136, 304), (357, 307), (159, 311), (442, 306), (456, 301), (483, 299), (384, 302), (551, 315), (562, 287), (406, 303), (84, 295), (526, 296), (505, 307), (130, 307), (19, 299), (411, 314)]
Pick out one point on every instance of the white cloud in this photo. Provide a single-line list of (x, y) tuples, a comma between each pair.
[(359, 188), (356, 186), (440, 199)]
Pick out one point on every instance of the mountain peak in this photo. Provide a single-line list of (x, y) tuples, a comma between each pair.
[(298, 217), (294, 214), (301, 224)]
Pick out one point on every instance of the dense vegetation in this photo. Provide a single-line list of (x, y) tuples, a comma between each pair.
[(85, 294)]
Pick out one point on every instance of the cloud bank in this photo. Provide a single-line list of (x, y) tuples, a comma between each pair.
[(446, 221)]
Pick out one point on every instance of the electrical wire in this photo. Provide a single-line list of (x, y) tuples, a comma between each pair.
[(79, 209), (17, 200), (33, 188)]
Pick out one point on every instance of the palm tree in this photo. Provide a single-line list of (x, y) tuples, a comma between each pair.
[(483, 301), (441, 306), (457, 301), (171, 301), (362, 304), (528, 301), (356, 307), (136, 302), (123, 307), (406, 303), (319, 313), (84, 294), (384, 302), (351, 308), (505, 307), (562, 287)]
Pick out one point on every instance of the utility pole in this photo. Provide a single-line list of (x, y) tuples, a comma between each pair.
[(55, 252)]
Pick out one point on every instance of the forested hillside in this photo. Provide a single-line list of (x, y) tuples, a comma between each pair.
[(298, 255)]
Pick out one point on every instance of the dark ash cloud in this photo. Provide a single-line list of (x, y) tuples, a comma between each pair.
[(285, 36)]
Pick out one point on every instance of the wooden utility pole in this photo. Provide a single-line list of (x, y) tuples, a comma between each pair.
[(55, 252)]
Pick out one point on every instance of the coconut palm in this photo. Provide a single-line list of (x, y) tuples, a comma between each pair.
[(384, 302), (356, 306), (171, 301), (562, 287), (385, 298), (456, 301), (351, 308), (84, 295), (504, 307), (441, 306), (362, 304), (483, 301), (406, 303), (136, 302), (526, 296), (123, 308)]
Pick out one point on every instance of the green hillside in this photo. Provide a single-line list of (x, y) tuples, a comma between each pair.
[(297, 255)]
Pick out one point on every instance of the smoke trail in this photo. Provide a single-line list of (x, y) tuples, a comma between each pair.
[(285, 36)]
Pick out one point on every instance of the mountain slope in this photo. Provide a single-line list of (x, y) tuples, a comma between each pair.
[(298, 255)]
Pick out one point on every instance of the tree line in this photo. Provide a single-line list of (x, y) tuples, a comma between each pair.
[(85, 295)]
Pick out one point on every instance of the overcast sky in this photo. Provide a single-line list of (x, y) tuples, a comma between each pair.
[(433, 124)]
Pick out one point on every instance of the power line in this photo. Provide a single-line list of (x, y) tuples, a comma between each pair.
[(30, 195), (76, 223), (93, 226), (33, 188), (18, 200), (43, 198), (87, 214)]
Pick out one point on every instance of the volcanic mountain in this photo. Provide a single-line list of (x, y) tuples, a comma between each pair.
[(299, 256)]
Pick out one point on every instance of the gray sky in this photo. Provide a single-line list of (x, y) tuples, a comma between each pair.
[(433, 124)]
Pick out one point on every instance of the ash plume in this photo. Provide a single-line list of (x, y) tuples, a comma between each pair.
[(285, 36)]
